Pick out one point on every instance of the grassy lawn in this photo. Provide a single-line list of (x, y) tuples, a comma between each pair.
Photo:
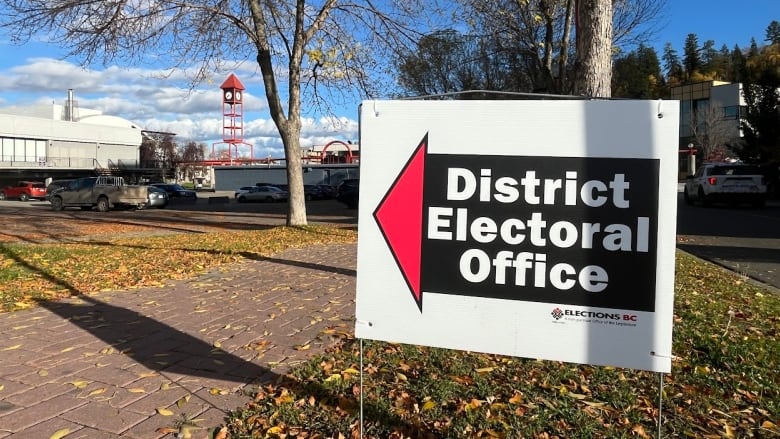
[(34, 272), (725, 380), (725, 383)]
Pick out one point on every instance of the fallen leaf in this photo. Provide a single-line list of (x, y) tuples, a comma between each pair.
[(222, 433), (428, 405), (59, 434), (164, 412), (79, 384), (97, 391), (638, 429), (136, 390), (183, 400)]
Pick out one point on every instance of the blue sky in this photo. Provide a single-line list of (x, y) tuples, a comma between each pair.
[(155, 100), (727, 22)]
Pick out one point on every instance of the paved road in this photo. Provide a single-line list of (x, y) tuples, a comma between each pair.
[(743, 239)]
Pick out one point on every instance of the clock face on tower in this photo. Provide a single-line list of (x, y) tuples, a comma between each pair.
[(238, 95), (228, 95)]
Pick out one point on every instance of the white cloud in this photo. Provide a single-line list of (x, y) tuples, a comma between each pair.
[(162, 100)]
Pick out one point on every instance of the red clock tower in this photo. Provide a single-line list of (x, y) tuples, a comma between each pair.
[(233, 117)]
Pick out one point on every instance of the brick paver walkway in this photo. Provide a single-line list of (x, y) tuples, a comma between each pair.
[(116, 364)]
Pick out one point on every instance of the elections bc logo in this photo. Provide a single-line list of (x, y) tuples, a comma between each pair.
[(625, 319)]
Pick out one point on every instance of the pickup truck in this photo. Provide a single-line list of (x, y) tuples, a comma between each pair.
[(24, 190), (102, 193)]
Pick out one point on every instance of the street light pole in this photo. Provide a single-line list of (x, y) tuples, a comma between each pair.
[(691, 159)]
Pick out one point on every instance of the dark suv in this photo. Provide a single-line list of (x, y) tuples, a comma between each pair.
[(347, 192)]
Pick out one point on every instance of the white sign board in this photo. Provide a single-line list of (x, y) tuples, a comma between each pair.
[(540, 229)]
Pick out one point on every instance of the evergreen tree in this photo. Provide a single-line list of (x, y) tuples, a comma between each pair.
[(709, 57), (691, 58), (638, 75), (737, 65), (773, 32), (761, 125), (672, 65), (753, 48)]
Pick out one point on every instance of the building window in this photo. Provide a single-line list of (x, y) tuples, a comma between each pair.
[(731, 113)]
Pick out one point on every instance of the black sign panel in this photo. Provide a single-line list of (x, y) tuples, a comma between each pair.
[(562, 230)]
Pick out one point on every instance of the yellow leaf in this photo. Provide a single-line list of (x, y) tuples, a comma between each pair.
[(277, 430), (12, 347), (766, 424), (474, 404), (2, 387), (517, 399), (79, 384), (61, 433), (136, 390), (333, 377), (43, 372), (216, 391), (352, 371), (401, 377), (147, 374), (164, 412), (217, 344), (303, 347), (428, 405), (183, 400), (97, 391), (485, 369)]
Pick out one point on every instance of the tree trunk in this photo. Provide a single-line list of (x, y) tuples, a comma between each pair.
[(594, 48), (563, 65), (296, 212)]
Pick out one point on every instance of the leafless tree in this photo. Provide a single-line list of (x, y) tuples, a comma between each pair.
[(318, 47), (189, 155), (711, 132), (542, 32)]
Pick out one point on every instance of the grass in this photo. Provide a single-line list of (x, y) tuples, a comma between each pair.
[(724, 382), (48, 271)]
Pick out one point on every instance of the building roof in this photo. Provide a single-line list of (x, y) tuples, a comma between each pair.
[(232, 82)]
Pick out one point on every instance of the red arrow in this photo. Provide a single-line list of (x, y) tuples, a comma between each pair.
[(400, 216)]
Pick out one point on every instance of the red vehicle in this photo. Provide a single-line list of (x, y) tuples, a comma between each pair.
[(24, 190)]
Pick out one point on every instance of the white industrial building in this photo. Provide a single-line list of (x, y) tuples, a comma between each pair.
[(41, 141)]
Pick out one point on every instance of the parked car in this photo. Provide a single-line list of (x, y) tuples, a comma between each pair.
[(328, 192), (314, 192), (157, 197), (54, 186), (263, 193), (24, 191), (176, 191), (242, 189), (347, 192), (726, 182)]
